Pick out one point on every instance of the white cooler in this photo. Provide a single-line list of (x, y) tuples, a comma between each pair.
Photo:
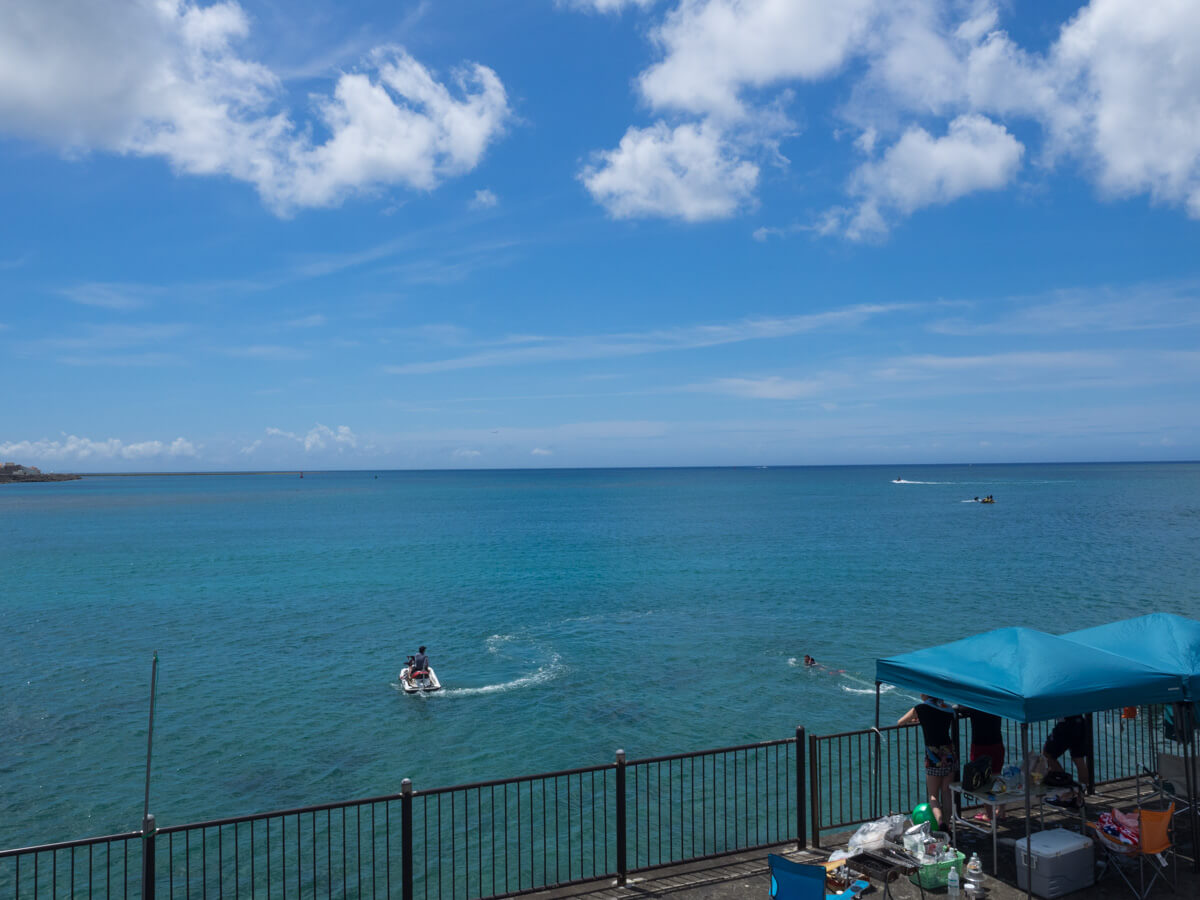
[(1060, 861)]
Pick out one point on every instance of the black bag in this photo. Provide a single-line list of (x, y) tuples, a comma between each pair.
[(1057, 780), (977, 774)]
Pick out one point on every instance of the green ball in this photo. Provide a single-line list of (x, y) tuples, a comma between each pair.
[(923, 812)]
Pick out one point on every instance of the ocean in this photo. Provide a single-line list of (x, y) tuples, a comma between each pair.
[(568, 613)]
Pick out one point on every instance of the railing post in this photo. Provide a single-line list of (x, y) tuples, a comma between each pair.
[(1091, 754), (622, 861), (814, 789), (149, 829), (406, 839), (801, 792)]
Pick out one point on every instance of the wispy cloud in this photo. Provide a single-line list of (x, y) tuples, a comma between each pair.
[(269, 352), (538, 349), (772, 387), (114, 296), (484, 199), (1143, 307), (314, 321)]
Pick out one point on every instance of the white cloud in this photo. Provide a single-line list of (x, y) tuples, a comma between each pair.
[(73, 448), (688, 172), (770, 388), (714, 49), (118, 297), (466, 453), (484, 199), (270, 352), (539, 349), (1137, 88), (164, 79), (541, 451), (920, 170), (318, 438), (604, 6), (1118, 92), (316, 320)]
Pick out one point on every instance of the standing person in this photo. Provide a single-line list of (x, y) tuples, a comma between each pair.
[(941, 762), (1069, 734), (987, 739)]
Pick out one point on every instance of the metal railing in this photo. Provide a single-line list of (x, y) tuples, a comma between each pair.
[(470, 842), (518, 835), (109, 866)]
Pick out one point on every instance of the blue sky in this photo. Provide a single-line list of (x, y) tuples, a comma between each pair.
[(597, 232)]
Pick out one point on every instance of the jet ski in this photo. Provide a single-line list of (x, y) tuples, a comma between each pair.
[(419, 682)]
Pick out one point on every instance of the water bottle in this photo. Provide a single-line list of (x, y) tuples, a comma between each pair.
[(974, 874), (952, 882)]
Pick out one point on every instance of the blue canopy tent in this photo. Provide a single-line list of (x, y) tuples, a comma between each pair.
[(1163, 641), (1028, 676), (1160, 640)]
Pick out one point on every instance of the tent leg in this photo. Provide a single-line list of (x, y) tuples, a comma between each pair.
[(1189, 756), (1028, 814), (877, 795)]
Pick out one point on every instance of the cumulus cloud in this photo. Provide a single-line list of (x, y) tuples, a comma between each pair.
[(1136, 90), (688, 172), (715, 49), (921, 170), (165, 79), (317, 438), (541, 451), (1116, 93), (72, 448)]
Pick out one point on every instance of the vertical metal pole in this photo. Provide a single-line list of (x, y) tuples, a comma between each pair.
[(148, 831), (622, 861), (406, 838), (150, 732), (1028, 815), (814, 789), (801, 792), (1091, 753), (877, 794), (148, 825)]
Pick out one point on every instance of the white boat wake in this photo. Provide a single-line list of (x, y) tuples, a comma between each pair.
[(548, 672)]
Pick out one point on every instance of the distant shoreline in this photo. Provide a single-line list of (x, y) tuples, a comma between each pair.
[(179, 474)]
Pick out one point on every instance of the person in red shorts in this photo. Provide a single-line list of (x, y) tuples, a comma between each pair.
[(987, 739)]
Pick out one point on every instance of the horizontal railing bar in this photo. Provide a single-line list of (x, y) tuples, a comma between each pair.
[(733, 851), (258, 817), (697, 753), (67, 845), (546, 776)]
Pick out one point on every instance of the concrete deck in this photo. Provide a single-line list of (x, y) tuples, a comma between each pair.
[(746, 875)]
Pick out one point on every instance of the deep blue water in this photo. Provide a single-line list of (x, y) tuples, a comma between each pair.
[(568, 613)]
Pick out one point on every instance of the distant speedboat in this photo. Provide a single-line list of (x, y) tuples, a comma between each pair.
[(987, 500), (424, 682)]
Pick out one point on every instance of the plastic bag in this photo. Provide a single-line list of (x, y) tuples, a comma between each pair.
[(870, 836)]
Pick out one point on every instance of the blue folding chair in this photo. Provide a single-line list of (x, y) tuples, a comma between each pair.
[(795, 881)]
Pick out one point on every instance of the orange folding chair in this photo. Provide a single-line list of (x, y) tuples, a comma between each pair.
[(1155, 843)]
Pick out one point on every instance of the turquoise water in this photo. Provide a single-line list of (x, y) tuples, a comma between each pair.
[(568, 613)]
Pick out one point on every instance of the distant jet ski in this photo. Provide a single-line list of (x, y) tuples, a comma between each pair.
[(420, 681)]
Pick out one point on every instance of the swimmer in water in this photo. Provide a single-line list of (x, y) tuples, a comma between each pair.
[(809, 661)]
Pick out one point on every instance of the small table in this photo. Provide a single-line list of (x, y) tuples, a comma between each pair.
[(997, 802)]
